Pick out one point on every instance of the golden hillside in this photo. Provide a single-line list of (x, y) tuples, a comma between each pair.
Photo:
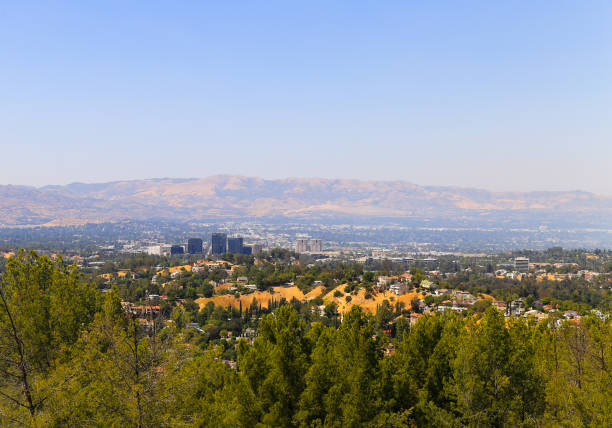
[(369, 305), (264, 298)]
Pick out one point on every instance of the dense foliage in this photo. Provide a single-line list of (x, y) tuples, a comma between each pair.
[(71, 356)]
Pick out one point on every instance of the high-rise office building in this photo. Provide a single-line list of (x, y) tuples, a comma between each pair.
[(194, 246), (218, 243), (246, 249), (154, 250), (521, 264), (315, 245), (301, 245), (177, 249), (308, 245), (256, 248), (234, 245)]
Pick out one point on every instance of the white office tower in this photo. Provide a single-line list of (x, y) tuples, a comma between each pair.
[(302, 245), (521, 264), (308, 245), (154, 250), (315, 245)]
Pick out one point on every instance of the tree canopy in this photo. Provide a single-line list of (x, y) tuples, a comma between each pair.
[(72, 356)]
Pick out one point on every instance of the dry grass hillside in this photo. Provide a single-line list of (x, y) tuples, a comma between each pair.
[(237, 196), (370, 304), (264, 298)]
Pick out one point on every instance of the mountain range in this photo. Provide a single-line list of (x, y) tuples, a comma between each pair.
[(304, 199)]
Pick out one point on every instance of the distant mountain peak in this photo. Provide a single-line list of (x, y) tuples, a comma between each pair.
[(235, 196)]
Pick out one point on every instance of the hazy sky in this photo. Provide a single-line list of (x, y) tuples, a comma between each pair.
[(504, 95)]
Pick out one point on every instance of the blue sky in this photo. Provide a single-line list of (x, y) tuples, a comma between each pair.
[(513, 95)]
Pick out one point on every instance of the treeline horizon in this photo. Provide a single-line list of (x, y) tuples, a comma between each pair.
[(71, 356)]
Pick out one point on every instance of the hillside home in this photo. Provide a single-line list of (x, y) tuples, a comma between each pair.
[(406, 277), (427, 284), (383, 282), (398, 288)]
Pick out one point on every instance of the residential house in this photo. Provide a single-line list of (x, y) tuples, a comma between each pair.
[(414, 317), (398, 288), (383, 282), (427, 284)]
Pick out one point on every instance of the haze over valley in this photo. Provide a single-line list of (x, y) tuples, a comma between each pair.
[(309, 199)]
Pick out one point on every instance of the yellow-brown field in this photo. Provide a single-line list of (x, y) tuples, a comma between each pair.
[(264, 298), (369, 305)]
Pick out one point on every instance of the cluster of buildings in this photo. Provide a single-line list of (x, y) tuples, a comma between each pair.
[(460, 300), (308, 245), (241, 282), (585, 274), (522, 268), (220, 243), (194, 246)]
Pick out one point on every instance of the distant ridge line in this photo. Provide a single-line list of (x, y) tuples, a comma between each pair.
[(236, 196)]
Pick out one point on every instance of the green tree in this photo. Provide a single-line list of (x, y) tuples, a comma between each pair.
[(343, 382), (384, 315), (277, 365), (482, 381), (43, 308)]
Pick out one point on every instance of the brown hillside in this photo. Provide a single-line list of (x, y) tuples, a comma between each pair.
[(262, 297), (236, 196), (369, 305)]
